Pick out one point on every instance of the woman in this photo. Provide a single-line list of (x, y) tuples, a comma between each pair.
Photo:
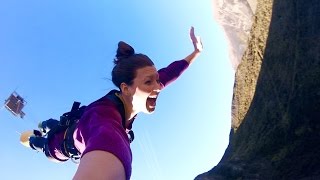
[(101, 135)]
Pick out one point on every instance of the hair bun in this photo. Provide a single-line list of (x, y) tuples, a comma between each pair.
[(124, 50)]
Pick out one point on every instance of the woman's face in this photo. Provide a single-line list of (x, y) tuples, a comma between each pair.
[(145, 89)]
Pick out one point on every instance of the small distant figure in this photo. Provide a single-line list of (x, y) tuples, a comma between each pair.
[(15, 104)]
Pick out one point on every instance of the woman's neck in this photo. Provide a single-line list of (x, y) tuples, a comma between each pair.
[(128, 109)]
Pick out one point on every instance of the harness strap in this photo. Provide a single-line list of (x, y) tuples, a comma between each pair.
[(72, 117), (114, 96), (67, 147), (50, 156)]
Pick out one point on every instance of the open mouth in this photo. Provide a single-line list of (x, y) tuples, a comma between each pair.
[(151, 101)]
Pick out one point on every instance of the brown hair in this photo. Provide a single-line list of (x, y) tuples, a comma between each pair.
[(126, 64)]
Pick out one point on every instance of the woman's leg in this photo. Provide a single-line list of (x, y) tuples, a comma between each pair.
[(37, 143)]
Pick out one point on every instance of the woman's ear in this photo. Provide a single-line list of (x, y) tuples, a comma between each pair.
[(124, 89)]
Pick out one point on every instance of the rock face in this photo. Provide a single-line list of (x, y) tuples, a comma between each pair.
[(275, 131), (235, 17)]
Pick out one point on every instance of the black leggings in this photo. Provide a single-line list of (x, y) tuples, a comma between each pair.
[(38, 143)]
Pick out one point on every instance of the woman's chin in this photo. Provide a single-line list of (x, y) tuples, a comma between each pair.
[(150, 110)]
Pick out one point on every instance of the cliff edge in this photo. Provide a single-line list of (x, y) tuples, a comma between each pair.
[(275, 131)]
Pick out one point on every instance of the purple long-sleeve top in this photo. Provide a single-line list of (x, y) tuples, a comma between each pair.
[(100, 127)]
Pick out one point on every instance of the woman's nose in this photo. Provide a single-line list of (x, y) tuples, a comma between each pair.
[(157, 88)]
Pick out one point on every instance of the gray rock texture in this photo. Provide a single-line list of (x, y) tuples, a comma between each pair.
[(235, 17)]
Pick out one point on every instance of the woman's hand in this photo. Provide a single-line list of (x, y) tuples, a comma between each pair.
[(197, 44), (196, 41)]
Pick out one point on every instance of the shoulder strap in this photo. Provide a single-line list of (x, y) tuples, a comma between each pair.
[(68, 119), (72, 116), (114, 98), (120, 106)]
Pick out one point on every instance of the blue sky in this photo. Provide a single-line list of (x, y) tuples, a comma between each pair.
[(55, 52)]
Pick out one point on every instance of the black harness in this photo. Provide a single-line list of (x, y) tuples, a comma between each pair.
[(71, 119), (67, 146)]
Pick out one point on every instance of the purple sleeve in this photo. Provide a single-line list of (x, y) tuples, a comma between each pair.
[(101, 128), (172, 72)]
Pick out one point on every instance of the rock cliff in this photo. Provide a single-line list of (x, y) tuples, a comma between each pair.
[(275, 131), (235, 17)]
